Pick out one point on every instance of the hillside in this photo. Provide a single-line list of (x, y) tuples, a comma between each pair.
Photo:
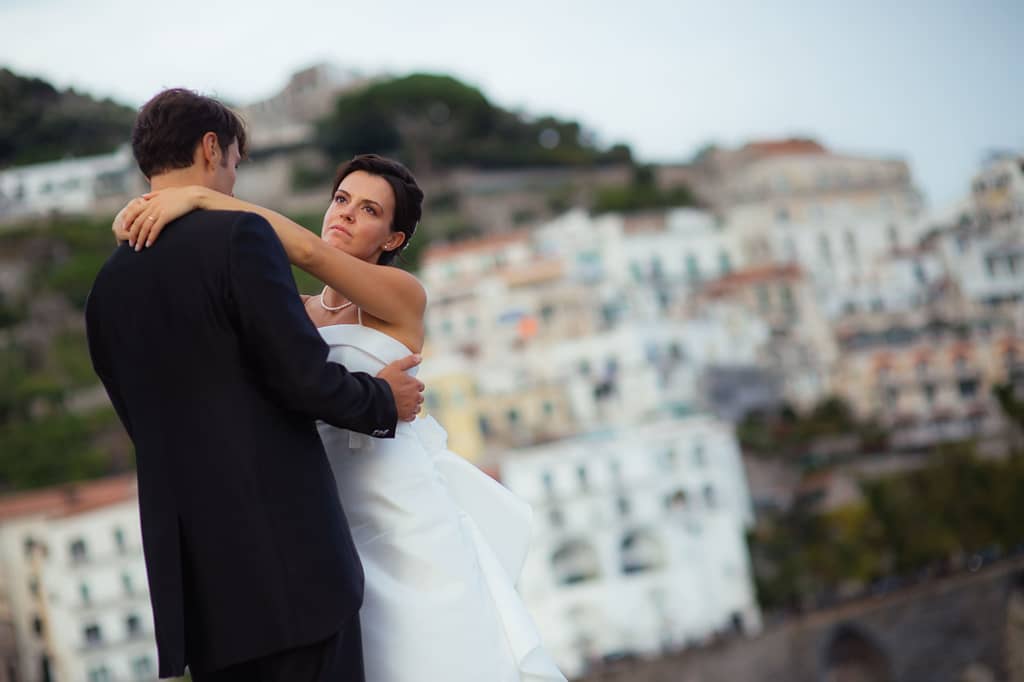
[(40, 123)]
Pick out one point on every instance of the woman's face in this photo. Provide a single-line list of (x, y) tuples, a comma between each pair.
[(358, 221)]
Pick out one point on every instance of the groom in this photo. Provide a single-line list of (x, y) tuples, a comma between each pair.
[(219, 376)]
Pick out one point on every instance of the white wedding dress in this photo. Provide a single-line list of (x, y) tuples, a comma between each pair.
[(441, 544)]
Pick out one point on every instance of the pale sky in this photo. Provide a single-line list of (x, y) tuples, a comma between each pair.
[(939, 83)]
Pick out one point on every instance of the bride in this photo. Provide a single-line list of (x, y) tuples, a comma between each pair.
[(441, 543)]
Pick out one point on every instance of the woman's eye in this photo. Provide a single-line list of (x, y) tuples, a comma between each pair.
[(339, 198), (371, 210)]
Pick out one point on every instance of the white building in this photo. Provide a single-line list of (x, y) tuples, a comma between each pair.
[(76, 583), (70, 186), (638, 543), (288, 118), (997, 191)]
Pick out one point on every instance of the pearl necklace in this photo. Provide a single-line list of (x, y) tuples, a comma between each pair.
[(331, 308)]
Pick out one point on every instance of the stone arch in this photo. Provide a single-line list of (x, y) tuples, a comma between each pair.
[(575, 561), (641, 550), (854, 656), (1015, 631)]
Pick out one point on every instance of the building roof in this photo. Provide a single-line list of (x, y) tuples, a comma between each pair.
[(788, 147), (489, 243), (750, 276), (69, 499)]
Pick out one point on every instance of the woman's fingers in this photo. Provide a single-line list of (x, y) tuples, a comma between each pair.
[(146, 227), (138, 224), (155, 230), (130, 217)]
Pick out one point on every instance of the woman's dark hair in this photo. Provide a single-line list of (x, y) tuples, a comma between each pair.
[(408, 195), (170, 125)]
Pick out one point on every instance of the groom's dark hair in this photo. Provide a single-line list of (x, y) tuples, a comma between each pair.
[(170, 125)]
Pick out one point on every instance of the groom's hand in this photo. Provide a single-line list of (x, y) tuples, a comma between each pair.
[(408, 390)]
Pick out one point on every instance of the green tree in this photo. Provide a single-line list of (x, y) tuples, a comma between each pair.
[(435, 122), (39, 123)]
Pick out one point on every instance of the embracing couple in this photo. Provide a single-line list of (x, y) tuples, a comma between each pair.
[(299, 522)]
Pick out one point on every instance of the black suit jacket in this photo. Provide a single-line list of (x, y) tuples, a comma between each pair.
[(218, 376)]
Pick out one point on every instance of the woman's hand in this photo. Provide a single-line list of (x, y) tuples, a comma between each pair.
[(120, 227), (144, 218)]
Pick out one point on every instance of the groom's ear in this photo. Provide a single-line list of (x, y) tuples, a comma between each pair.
[(208, 152)]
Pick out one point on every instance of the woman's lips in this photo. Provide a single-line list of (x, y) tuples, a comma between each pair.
[(341, 229)]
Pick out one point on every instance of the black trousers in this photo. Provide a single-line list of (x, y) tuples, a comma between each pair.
[(337, 659)]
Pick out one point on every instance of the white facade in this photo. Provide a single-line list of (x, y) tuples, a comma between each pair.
[(681, 245), (69, 186), (76, 581), (638, 540)]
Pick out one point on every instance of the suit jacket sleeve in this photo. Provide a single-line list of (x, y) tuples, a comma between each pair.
[(282, 341)]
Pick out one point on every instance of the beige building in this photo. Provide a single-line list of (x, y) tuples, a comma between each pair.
[(928, 374), (75, 582), (801, 347)]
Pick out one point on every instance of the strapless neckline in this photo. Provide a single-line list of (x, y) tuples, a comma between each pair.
[(378, 332)]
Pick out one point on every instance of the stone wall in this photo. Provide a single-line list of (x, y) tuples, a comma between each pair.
[(963, 628)]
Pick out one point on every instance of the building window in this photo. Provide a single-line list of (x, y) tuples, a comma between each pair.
[(574, 562), (929, 393), (851, 244), (485, 425), (692, 268), (119, 540), (676, 500), (432, 400), (724, 263), (786, 293), (556, 518), (37, 625), (126, 583), (699, 458), (581, 474), (83, 591), (513, 417), (142, 669), (549, 482), (93, 635), (764, 300), (968, 388), (624, 506), (669, 459), (548, 408), (710, 498), (641, 551), (100, 674), (78, 550), (133, 626), (825, 247), (33, 587)]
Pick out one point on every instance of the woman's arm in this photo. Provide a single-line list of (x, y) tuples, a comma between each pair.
[(388, 293)]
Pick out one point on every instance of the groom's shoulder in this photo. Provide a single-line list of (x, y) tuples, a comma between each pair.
[(218, 226)]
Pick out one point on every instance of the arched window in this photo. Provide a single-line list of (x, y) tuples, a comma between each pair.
[(641, 551), (575, 561), (853, 657)]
